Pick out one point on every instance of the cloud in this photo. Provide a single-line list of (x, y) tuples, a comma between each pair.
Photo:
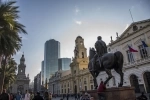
[(78, 22), (77, 10)]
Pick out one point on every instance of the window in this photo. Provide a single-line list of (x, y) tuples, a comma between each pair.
[(82, 54), (143, 51), (91, 87), (68, 84), (130, 56), (84, 80), (85, 88)]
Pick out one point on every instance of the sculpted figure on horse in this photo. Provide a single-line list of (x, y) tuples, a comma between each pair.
[(100, 60)]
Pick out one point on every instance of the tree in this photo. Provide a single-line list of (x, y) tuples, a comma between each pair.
[(10, 41), (10, 73)]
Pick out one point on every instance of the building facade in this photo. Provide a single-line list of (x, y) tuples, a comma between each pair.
[(22, 82), (136, 65), (51, 55), (37, 82), (55, 81), (64, 63), (79, 77), (42, 73)]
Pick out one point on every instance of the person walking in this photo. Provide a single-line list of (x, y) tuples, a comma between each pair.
[(101, 89), (4, 95), (27, 95), (38, 97), (142, 97), (85, 96), (67, 96), (50, 96), (31, 96), (46, 96), (18, 96)]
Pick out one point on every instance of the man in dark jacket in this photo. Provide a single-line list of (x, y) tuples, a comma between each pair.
[(4, 95), (38, 97), (100, 91)]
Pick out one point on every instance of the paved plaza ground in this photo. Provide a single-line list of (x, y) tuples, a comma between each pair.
[(58, 98)]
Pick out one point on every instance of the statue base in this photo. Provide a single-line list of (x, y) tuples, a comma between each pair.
[(115, 93)]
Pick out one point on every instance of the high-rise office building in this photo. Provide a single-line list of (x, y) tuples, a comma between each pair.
[(64, 63), (51, 55), (42, 72)]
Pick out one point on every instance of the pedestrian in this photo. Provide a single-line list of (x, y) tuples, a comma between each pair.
[(46, 96), (67, 96), (31, 96), (38, 97), (91, 98), (84, 96), (27, 95), (50, 96), (4, 95), (11, 96), (101, 89), (75, 96), (18, 96), (142, 97)]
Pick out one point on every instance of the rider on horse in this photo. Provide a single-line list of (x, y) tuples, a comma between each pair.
[(101, 49)]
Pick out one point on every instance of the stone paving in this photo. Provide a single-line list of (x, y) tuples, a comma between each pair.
[(58, 98)]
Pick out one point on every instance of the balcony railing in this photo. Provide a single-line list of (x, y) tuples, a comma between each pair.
[(137, 62)]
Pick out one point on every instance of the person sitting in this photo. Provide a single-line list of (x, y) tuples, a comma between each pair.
[(142, 97), (100, 91)]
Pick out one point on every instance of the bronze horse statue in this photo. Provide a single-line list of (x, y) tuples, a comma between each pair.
[(108, 61)]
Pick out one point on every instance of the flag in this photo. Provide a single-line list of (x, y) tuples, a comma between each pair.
[(147, 47), (144, 44), (131, 49)]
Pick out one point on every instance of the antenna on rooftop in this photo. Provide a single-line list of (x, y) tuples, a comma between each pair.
[(131, 15)]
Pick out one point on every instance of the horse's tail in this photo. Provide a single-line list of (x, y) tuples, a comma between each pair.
[(119, 58)]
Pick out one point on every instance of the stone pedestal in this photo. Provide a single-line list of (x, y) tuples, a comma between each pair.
[(117, 93)]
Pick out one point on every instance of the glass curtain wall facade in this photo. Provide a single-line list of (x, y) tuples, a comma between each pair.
[(51, 55), (64, 63)]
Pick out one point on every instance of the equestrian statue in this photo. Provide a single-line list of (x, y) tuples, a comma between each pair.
[(100, 60)]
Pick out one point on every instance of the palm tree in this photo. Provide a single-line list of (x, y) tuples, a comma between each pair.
[(10, 73), (10, 41)]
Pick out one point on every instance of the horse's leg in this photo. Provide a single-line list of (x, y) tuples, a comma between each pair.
[(108, 71), (94, 79), (119, 71), (96, 74)]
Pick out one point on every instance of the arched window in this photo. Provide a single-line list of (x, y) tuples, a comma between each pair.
[(82, 54), (134, 83), (146, 77)]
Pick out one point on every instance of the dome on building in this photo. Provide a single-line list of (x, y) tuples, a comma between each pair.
[(22, 58), (78, 37)]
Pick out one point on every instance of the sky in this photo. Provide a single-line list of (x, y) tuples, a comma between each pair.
[(64, 20)]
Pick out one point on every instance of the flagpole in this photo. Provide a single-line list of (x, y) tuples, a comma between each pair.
[(131, 15)]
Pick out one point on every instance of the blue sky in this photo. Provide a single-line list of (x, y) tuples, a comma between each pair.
[(64, 20)]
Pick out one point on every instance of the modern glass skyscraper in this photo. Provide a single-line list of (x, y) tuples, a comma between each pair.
[(64, 63), (51, 55)]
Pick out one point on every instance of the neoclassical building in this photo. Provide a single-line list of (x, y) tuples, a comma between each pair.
[(136, 65), (22, 82), (78, 78)]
